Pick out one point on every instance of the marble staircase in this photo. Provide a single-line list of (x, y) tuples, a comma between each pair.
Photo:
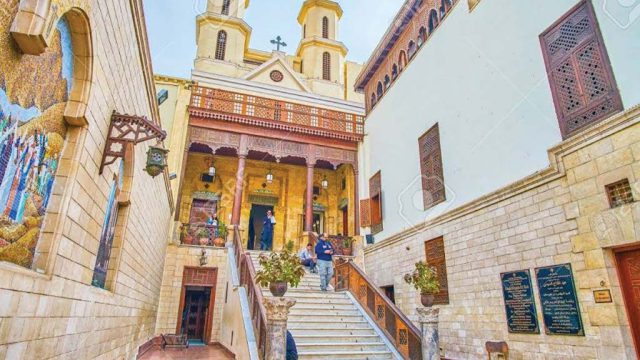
[(329, 325)]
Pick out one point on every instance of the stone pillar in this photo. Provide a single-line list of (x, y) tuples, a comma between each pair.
[(277, 314), (308, 219), (237, 197), (430, 338), (356, 195)]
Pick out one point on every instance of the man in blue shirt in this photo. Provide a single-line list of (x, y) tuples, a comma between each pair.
[(324, 252), (267, 231)]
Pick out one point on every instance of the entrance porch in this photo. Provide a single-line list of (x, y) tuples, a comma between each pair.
[(235, 179)]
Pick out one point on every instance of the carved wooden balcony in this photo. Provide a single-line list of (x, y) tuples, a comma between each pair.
[(209, 103)]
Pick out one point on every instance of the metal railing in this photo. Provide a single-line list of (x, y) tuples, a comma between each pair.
[(277, 114), (394, 324)]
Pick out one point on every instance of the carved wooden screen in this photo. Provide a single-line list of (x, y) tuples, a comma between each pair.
[(434, 250), (582, 83), (375, 192), (433, 191), (365, 213)]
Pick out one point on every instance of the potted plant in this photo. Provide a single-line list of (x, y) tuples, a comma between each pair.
[(185, 235), (221, 237), (424, 279), (279, 270), (347, 244), (203, 235)]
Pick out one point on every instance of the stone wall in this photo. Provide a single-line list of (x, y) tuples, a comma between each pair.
[(558, 215), (177, 258), (54, 311)]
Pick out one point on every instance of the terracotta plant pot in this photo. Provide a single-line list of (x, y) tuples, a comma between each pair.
[(188, 240), (219, 242), (204, 241), (427, 300), (347, 251), (278, 289)]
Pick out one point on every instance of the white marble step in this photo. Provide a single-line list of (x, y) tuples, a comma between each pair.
[(343, 346), (331, 333), (345, 355), (327, 338), (296, 311)]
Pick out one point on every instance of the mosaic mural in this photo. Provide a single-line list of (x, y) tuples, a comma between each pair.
[(33, 94)]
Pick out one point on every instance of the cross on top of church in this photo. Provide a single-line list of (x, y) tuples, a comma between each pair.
[(278, 42)]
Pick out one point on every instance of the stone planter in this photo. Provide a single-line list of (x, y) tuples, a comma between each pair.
[(278, 289), (427, 300)]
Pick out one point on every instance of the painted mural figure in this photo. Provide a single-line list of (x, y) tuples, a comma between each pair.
[(33, 94)]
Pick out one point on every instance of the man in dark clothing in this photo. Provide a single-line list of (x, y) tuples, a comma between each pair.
[(267, 231), (292, 351), (324, 252)]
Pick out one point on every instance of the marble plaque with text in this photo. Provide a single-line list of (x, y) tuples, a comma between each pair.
[(560, 308), (519, 304)]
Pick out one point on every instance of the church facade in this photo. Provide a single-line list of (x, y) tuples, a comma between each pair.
[(500, 136)]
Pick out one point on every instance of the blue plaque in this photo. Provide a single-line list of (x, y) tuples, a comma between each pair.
[(560, 309), (519, 304)]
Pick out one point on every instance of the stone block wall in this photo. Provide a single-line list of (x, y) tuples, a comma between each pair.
[(55, 312), (558, 215), (169, 306)]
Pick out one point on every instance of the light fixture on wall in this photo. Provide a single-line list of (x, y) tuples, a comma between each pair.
[(325, 182), (269, 177), (203, 258), (212, 169)]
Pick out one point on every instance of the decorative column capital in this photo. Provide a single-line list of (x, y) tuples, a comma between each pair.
[(278, 308), (428, 315)]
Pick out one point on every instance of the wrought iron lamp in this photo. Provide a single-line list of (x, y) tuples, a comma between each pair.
[(212, 169), (203, 258), (269, 177), (325, 183), (156, 160)]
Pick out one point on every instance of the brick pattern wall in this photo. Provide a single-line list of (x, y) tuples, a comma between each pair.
[(553, 217), (59, 314)]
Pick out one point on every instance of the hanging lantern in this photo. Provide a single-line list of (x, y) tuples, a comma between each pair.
[(212, 170), (325, 183), (156, 160), (269, 177)]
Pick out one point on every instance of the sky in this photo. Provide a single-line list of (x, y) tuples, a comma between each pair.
[(171, 28)]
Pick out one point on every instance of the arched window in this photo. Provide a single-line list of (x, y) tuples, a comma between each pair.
[(422, 36), (225, 7), (433, 20), (402, 60), (394, 72), (373, 99), (412, 49), (221, 46), (380, 90), (387, 82), (326, 66), (445, 6), (325, 27)]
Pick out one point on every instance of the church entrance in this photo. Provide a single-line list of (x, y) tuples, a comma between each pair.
[(256, 219), (628, 263)]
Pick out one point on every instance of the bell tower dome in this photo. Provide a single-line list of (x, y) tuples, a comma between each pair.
[(222, 37), (322, 55)]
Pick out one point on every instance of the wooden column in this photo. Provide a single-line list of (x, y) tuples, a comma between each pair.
[(237, 197), (308, 220), (356, 203)]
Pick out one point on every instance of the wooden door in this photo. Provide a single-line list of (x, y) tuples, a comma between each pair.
[(195, 304), (345, 221), (629, 272)]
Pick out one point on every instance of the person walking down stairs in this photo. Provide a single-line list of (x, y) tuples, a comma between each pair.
[(324, 252)]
